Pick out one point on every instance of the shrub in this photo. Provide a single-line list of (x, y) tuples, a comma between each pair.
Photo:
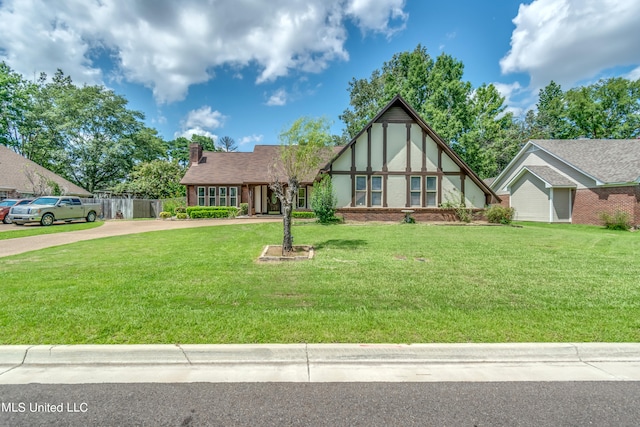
[(173, 205), (302, 214), (324, 201), (212, 211), (165, 215), (497, 214), (181, 209), (455, 202), (620, 220), (244, 208), (182, 215)]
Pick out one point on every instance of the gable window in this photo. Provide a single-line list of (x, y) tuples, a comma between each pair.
[(302, 197), (222, 196), (233, 196), (361, 191), (201, 197), (416, 190), (376, 191), (212, 196), (432, 191)]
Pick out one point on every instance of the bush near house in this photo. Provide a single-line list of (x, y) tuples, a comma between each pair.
[(497, 214), (212, 211), (620, 220)]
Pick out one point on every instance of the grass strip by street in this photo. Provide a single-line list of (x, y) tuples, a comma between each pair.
[(37, 230), (402, 283)]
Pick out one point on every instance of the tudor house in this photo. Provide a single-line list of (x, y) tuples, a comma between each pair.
[(396, 163)]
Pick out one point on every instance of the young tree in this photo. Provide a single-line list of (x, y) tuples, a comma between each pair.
[(226, 143), (324, 200), (303, 148)]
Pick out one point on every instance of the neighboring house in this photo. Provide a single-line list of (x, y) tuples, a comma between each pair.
[(572, 181), (397, 162), (20, 177)]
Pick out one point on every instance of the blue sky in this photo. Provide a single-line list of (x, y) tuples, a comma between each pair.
[(247, 69)]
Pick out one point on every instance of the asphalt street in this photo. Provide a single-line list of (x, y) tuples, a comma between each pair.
[(329, 404)]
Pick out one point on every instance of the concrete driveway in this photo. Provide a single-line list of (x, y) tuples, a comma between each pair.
[(110, 228)]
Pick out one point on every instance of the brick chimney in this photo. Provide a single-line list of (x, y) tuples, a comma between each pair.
[(195, 154)]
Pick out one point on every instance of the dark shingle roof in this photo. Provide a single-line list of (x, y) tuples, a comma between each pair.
[(235, 168), (607, 160), (14, 170)]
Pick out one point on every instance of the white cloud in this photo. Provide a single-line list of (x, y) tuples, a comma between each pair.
[(278, 98), (201, 122), (205, 118), (196, 131), (251, 139), (634, 74), (169, 46), (378, 15), (571, 40)]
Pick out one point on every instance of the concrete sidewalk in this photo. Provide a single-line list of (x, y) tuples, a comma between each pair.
[(80, 364)]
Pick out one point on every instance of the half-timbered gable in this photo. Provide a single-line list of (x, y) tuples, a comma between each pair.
[(397, 162)]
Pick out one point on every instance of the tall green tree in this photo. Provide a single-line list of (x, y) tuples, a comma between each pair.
[(487, 135), (178, 149), (551, 116), (474, 123), (303, 147), (609, 108), (156, 179)]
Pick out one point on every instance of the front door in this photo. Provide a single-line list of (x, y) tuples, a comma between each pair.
[(273, 203)]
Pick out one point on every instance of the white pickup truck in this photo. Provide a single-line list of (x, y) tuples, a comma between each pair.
[(48, 209)]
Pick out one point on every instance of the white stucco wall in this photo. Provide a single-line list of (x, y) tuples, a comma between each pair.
[(342, 188), (397, 147)]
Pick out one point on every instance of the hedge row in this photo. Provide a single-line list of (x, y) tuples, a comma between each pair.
[(212, 211), (302, 214)]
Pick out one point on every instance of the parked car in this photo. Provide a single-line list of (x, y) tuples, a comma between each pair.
[(7, 204), (48, 209)]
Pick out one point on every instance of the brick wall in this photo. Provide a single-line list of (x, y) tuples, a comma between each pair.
[(504, 200), (589, 203), (396, 215)]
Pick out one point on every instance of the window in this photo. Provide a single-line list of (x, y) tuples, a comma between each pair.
[(201, 196), (222, 193), (212, 196), (432, 191), (233, 196), (302, 197), (376, 191), (416, 189), (361, 191)]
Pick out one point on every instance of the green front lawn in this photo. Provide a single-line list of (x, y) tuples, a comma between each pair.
[(368, 283), (36, 230)]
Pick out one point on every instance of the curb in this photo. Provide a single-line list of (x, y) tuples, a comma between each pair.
[(319, 363)]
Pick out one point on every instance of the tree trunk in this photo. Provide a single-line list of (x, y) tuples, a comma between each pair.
[(287, 240)]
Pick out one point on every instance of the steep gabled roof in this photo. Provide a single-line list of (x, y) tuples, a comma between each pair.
[(399, 108), (15, 170)]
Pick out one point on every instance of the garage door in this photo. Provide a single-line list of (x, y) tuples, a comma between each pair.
[(530, 199)]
